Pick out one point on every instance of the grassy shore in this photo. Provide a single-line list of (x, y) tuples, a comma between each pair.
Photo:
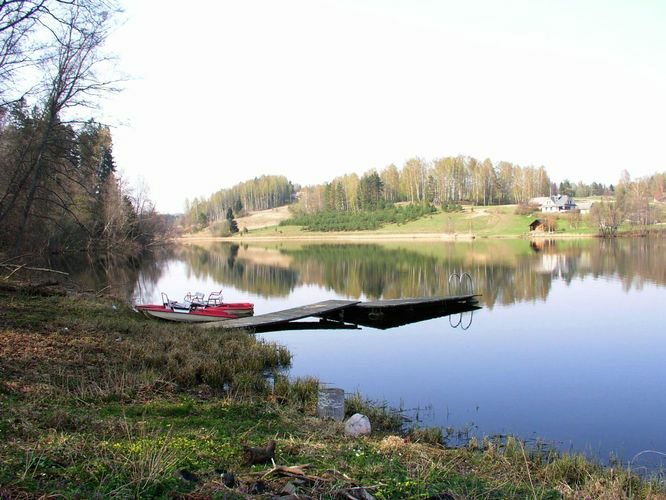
[(472, 222), (97, 401)]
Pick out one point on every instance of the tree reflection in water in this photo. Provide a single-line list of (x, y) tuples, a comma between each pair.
[(503, 272)]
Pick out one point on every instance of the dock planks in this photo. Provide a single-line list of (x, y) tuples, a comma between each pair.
[(384, 314), (266, 321), (373, 313), (416, 302)]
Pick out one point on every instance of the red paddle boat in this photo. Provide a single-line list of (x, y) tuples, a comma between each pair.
[(195, 308)]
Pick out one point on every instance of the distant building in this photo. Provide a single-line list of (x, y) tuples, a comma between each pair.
[(584, 207), (537, 226), (558, 203), (539, 200)]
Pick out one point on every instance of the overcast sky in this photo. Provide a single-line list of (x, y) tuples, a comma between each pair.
[(224, 91)]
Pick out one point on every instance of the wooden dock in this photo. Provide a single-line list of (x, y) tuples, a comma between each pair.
[(347, 314), (279, 318), (416, 302), (384, 314)]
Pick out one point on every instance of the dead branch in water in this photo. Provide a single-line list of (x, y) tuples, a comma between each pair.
[(16, 267)]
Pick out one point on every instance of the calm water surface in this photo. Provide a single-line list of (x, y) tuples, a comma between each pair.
[(568, 348)]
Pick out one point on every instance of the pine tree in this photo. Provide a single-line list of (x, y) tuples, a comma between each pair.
[(233, 225)]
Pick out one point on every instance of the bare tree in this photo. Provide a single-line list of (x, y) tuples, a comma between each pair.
[(607, 217), (18, 20), (70, 65)]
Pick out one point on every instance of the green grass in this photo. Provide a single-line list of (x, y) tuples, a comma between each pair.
[(476, 221), (330, 221)]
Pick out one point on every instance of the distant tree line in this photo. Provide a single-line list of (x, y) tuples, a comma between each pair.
[(582, 190), (443, 182), (59, 188), (636, 204), (639, 203), (261, 193)]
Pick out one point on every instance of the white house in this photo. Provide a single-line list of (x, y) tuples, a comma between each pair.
[(558, 203)]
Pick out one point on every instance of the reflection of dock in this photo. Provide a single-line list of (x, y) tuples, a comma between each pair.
[(397, 312), (347, 313)]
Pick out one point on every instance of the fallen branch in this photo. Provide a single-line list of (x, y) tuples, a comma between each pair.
[(17, 267), (293, 471)]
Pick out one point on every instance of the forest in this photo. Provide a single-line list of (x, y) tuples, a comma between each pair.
[(261, 193), (59, 186), (352, 202)]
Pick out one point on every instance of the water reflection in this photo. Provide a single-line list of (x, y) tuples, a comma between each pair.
[(504, 272), (122, 275), (255, 270)]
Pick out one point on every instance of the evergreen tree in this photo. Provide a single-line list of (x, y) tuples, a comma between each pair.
[(238, 206), (233, 225), (106, 167)]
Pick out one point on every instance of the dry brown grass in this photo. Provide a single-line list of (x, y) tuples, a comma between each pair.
[(264, 218)]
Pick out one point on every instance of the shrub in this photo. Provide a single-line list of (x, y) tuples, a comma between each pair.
[(430, 435), (382, 418), (301, 392), (220, 228), (358, 221), (451, 207), (526, 209)]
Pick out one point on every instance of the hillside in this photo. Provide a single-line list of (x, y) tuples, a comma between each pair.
[(263, 218), (472, 221)]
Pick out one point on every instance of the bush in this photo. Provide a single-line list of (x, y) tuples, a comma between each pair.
[(220, 228), (358, 221), (382, 418), (429, 435), (526, 209), (301, 392), (451, 207)]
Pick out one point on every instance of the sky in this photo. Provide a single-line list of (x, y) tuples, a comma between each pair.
[(219, 92)]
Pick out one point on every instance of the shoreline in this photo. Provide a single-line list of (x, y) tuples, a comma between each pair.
[(461, 237), (166, 433), (109, 427)]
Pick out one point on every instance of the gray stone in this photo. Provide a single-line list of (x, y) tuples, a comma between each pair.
[(357, 425), (331, 404)]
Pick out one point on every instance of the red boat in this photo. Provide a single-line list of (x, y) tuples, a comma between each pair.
[(195, 308)]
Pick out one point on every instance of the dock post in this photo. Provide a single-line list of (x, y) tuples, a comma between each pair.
[(331, 404)]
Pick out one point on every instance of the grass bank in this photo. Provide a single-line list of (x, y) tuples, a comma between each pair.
[(97, 401), (471, 222)]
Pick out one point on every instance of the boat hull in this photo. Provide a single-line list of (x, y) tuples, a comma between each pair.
[(197, 315)]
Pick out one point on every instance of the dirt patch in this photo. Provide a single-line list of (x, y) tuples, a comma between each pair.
[(264, 218)]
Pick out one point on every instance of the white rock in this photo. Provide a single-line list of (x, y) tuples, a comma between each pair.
[(357, 425)]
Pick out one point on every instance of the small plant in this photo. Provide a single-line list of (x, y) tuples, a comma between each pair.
[(429, 435), (451, 207), (220, 228), (526, 209), (301, 392), (382, 418), (473, 444)]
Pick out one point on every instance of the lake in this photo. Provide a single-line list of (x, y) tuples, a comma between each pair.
[(568, 346)]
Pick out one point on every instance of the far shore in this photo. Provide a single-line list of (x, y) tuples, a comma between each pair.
[(472, 223), (378, 236)]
